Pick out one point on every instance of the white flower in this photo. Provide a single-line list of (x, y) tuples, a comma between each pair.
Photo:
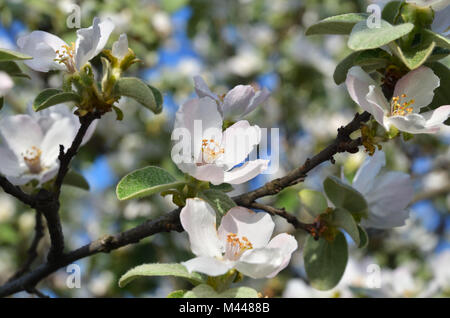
[(238, 102), (241, 242), (31, 145), (211, 154), (120, 47), (412, 92), (434, 4), (6, 83), (387, 195), (49, 52)]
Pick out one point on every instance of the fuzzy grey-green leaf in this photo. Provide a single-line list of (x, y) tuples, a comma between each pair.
[(77, 180), (145, 182), (157, 269), (219, 200), (363, 38), (50, 97), (8, 55), (139, 91), (339, 24), (325, 261), (343, 219), (313, 201), (206, 291)]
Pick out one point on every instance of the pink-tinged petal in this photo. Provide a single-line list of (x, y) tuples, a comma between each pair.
[(365, 176), (436, 117), (360, 86), (10, 164), (207, 265), (20, 133), (202, 119), (246, 172), (202, 89), (388, 199), (287, 244), (256, 227), (260, 262), (199, 221), (92, 40), (379, 103), (42, 46), (62, 132), (237, 100), (259, 99), (6, 83), (207, 172), (412, 123), (417, 85), (120, 47), (238, 141)]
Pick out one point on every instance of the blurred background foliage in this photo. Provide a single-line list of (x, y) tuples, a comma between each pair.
[(231, 42)]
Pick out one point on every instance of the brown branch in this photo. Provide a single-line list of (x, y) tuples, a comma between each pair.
[(171, 222)]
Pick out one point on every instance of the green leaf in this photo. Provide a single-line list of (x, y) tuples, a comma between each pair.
[(340, 72), (343, 219), (206, 291), (77, 180), (364, 238), (414, 57), (172, 5), (1, 102), (339, 24), (220, 201), (12, 69), (145, 182), (177, 294), (158, 97), (314, 202), (135, 88), (119, 113), (442, 93), (325, 261), (363, 38), (438, 54), (8, 55), (158, 269), (225, 187), (391, 11), (8, 234), (440, 40), (344, 196), (50, 97)]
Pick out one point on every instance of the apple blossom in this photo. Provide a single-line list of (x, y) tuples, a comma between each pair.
[(211, 154), (412, 92), (49, 52), (241, 242), (387, 195), (31, 145), (238, 102)]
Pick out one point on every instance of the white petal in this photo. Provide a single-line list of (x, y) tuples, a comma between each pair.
[(6, 83), (90, 131), (42, 47), (411, 123), (10, 164), (436, 117), (202, 89), (418, 85), (256, 227), (259, 99), (20, 133), (237, 100), (207, 265), (260, 263), (440, 22), (62, 132), (379, 104), (199, 221), (246, 172), (359, 87), (287, 244), (207, 172), (91, 41), (120, 47), (364, 178), (48, 174), (238, 141), (202, 119)]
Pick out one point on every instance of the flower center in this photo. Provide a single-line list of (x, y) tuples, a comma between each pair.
[(211, 150), (66, 56), (400, 106), (32, 158), (235, 246)]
